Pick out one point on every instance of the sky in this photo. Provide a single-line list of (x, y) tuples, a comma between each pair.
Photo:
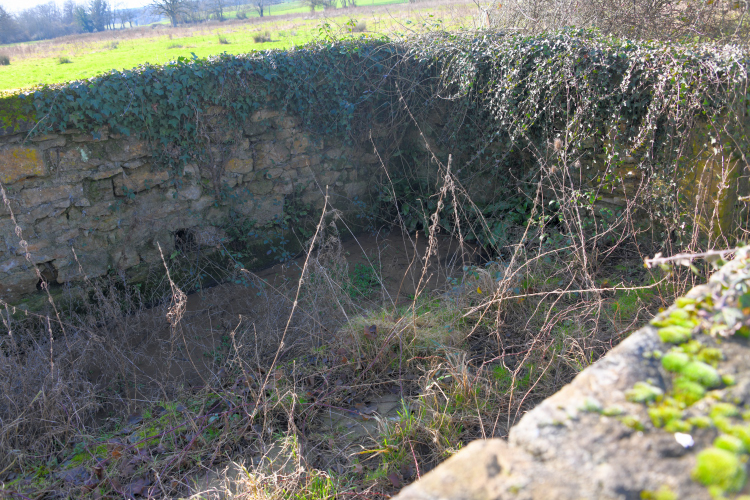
[(19, 5)]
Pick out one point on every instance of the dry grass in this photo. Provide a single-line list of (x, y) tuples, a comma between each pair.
[(288, 380), (285, 390), (723, 21), (463, 366), (262, 37)]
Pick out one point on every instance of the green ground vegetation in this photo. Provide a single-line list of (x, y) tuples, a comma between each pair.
[(86, 56)]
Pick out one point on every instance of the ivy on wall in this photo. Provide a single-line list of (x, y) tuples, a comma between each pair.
[(533, 104)]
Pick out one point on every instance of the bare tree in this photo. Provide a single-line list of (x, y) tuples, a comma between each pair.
[(218, 6), (127, 16), (9, 29), (172, 9), (259, 6)]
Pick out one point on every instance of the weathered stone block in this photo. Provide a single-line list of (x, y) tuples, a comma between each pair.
[(44, 250), (285, 121), (253, 129), (18, 280), (303, 161), (334, 153), (208, 236), (67, 236), (125, 258), (239, 166), (269, 155), (140, 179), (274, 173), (285, 188), (44, 137), (192, 192), (93, 262), (105, 171), (126, 150), (36, 196), (263, 114), (52, 143), (299, 144), (202, 203), (19, 163), (369, 158), (260, 186), (268, 209), (230, 180), (355, 189)]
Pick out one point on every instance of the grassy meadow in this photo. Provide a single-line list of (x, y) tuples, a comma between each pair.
[(85, 56)]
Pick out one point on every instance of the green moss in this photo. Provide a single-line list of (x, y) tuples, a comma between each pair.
[(693, 347), (613, 411), (730, 443), (700, 372), (674, 334), (722, 423), (663, 414), (741, 432), (719, 468), (677, 317), (724, 410), (643, 392), (591, 406), (632, 422), (728, 380), (700, 421), (687, 391), (683, 302), (663, 493), (14, 110), (674, 361), (710, 355), (677, 425)]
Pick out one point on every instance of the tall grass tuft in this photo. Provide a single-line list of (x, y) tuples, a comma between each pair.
[(262, 37)]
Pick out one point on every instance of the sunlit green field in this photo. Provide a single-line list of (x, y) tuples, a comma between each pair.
[(300, 8), (92, 54)]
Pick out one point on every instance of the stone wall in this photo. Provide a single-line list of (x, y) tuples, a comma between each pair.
[(102, 196), (625, 429)]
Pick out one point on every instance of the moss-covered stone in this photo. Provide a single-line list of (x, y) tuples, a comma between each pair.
[(674, 334), (700, 421), (665, 413), (719, 468), (674, 361), (643, 392), (730, 443), (700, 372), (687, 391), (663, 493), (710, 355)]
